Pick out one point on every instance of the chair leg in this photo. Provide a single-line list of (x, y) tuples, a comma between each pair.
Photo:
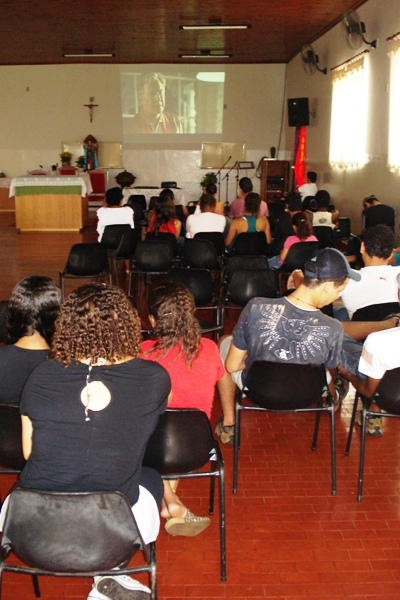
[(316, 430), (35, 581), (236, 442), (362, 451), (153, 571), (352, 422), (222, 532), (212, 490), (333, 448)]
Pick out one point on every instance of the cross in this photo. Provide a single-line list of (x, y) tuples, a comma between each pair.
[(91, 106)]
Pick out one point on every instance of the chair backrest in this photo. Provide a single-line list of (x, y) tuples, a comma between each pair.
[(181, 443), (376, 312), (98, 181), (138, 199), (283, 386), (179, 213), (239, 262), (387, 394), (138, 210), (3, 321), (112, 235), (87, 259), (11, 456), (343, 229), (128, 243), (198, 281), (298, 254), (153, 255), (166, 237), (200, 254), (70, 532), (247, 284), (324, 236), (152, 202), (250, 243), (216, 237)]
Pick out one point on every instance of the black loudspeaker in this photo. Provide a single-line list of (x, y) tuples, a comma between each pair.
[(298, 112)]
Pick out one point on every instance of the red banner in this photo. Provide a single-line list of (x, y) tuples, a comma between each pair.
[(300, 156)]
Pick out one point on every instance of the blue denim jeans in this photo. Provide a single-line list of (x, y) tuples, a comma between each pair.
[(350, 356)]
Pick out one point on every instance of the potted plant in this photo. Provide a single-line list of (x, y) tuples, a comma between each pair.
[(65, 158), (80, 162), (209, 177)]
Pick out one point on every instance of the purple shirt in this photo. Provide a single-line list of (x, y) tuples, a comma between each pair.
[(237, 208)]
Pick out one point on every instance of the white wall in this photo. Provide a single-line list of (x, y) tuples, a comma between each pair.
[(42, 106), (382, 19)]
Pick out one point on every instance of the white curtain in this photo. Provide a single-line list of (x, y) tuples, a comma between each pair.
[(394, 106), (349, 119)]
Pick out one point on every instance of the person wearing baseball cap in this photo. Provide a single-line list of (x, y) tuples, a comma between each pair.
[(291, 329)]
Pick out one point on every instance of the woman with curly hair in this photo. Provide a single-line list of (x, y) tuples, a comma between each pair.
[(164, 219), (193, 362), (31, 312), (88, 413)]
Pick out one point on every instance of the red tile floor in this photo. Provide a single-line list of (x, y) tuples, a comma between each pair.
[(288, 538)]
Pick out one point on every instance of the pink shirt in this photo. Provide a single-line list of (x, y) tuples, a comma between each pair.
[(237, 208), (293, 239)]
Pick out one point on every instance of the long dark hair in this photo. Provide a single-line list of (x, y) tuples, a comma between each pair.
[(303, 225), (33, 307), (164, 211), (172, 306)]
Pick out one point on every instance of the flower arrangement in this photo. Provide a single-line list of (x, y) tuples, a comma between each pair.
[(80, 162), (66, 157)]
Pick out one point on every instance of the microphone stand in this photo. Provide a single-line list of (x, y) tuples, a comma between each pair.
[(227, 206), (219, 174)]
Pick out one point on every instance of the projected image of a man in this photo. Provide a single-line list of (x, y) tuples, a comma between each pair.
[(152, 118)]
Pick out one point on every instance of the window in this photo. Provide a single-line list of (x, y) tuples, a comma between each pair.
[(394, 103), (349, 119)]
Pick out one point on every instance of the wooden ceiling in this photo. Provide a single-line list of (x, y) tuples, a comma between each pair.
[(147, 31)]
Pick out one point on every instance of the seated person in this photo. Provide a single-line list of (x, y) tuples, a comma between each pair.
[(31, 313), (284, 227), (181, 211), (88, 413), (164, 219), (212, 189), (376, 213), (323, 217), (207, 220), (288, 329), (378, 278), (303, 233), (237, 206), (251, 222), (113, 213), (192, 361), (310, 188)]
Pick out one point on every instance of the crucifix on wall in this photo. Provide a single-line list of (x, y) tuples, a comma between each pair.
[(91, 106)]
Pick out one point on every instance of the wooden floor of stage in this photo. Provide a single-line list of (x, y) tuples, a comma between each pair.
[(288, 538)]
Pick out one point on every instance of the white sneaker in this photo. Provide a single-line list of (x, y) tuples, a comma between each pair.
[(118, 587)]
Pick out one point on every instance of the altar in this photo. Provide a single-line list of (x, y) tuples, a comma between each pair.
[(50, 203)]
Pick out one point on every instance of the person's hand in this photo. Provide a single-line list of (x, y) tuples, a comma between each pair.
[(346, 374)]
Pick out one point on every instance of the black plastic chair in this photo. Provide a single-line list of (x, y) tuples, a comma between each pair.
[(376, 312), (285, 388), (216, 237), (73, 535), (387, 397), (85, 261), (295, 259), (246, 284), (324, 235), (3, 321), (139, 217), (243, 262), (112, 236), (126, 249), (251, 243), (138, 199), (181, 445), (201, 254), (200, 283), (164, 237), (152, 257), (11, 457)]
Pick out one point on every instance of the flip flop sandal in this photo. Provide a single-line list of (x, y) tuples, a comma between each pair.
[(189, 525)]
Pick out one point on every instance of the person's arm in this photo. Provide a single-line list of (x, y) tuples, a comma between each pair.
[(283, 254), (231, 233), (178, 227), (236, 359), (27, 431), (366, 388), (359, 330)]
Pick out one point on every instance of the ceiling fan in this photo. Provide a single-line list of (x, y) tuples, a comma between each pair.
[(355, 29), (310, 60)]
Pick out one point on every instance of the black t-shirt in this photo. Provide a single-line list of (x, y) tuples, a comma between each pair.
[(379, 214), (70, 453), (16, 364)]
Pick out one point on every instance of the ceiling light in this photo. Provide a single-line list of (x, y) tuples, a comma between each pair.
[(215, 26), (88, 54), (205, 55)]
